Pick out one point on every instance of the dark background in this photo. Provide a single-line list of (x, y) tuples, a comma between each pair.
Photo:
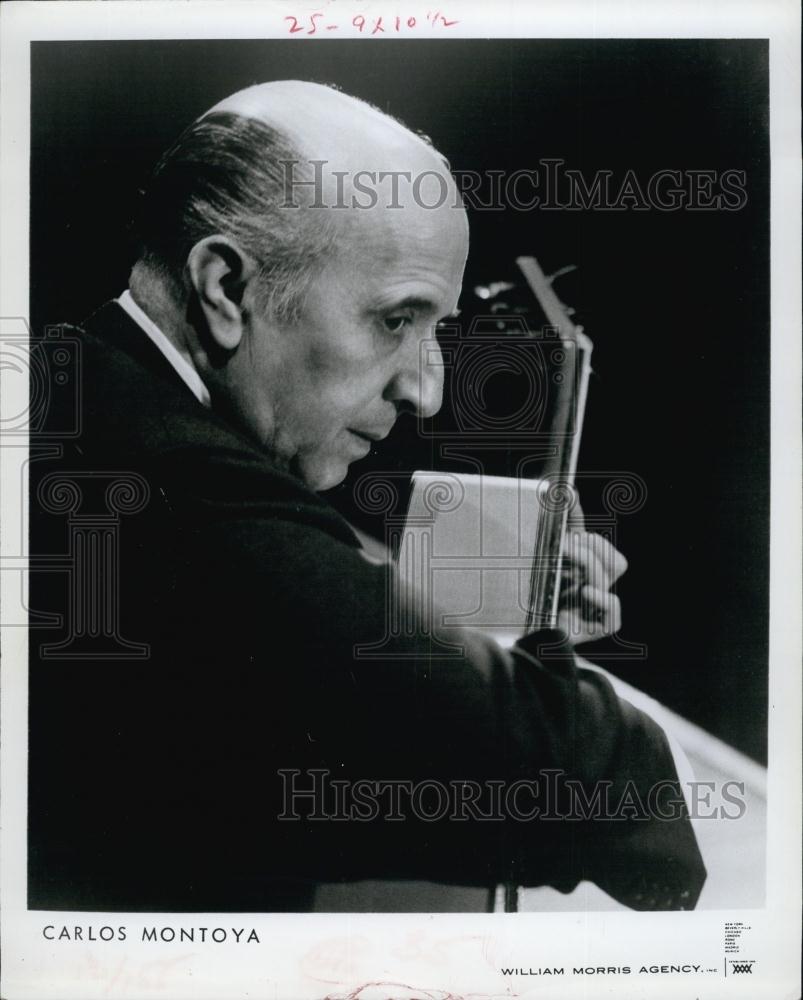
[(677, 303)]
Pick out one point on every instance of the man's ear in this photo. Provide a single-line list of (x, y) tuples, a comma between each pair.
[(219, 271)]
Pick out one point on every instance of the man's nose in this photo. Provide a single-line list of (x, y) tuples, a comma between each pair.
[(417, 385)]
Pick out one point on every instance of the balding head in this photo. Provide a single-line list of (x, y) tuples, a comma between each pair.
[(359, 156), (310, 244), (255, 164), (324, 123)]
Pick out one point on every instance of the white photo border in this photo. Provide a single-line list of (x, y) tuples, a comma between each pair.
[(435, 954)]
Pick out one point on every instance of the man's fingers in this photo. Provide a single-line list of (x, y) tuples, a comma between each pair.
[(599, 563), (601, 608), (576, 520), (583, 563), (611, 558), (596, 614)]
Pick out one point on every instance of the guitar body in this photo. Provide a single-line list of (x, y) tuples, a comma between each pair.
[(483, 552)]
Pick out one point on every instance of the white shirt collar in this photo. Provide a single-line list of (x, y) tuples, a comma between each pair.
[(187, 373)]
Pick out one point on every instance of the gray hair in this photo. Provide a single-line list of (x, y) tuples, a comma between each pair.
[(227, 174)]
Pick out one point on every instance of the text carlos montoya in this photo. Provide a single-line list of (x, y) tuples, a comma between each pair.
[(220, 935)]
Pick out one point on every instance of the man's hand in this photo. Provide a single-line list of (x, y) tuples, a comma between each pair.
[(591, 565)]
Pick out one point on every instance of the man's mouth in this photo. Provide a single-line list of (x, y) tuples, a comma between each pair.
[(372, 435), (365, 440)]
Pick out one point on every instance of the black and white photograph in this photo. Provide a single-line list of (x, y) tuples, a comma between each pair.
[(401, 527)]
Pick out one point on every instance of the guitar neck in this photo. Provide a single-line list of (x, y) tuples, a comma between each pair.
[(572, 375)]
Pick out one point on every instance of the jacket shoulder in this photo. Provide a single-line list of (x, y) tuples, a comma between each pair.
[(136, 414)]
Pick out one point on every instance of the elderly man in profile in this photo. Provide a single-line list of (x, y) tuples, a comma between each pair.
[(270, 335)]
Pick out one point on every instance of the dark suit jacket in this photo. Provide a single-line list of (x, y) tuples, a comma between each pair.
[(209, 614)]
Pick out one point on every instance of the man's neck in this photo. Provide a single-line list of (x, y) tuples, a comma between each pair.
[(159, 306), (161, 319)]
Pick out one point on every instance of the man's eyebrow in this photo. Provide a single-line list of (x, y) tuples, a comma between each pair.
[(420, 302)]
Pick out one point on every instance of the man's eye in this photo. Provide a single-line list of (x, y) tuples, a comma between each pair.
[(397, 324)]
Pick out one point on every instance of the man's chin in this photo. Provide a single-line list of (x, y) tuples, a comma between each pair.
[(320, 475)]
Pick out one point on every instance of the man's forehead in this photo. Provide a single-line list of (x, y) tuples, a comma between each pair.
[(404, 255), (408, 227)]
